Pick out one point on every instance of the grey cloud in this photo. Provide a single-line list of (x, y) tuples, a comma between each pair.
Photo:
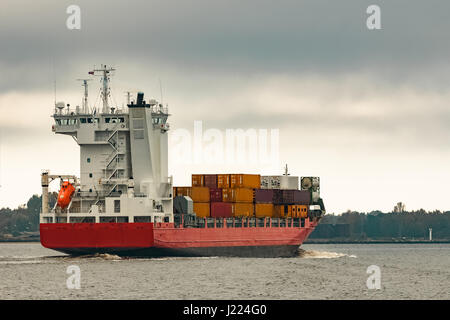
[(251, 37)]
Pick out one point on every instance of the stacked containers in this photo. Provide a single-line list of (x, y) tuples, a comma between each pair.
[(201, 197), (240, 195), (264, 203)]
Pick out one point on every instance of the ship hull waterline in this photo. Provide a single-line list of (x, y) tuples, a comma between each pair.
[(146, 240)]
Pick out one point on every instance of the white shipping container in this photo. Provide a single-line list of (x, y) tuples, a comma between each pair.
[(279, 182), (265, 182)]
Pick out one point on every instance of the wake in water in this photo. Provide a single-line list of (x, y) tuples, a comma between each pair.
[(313, 254), (100, 256)]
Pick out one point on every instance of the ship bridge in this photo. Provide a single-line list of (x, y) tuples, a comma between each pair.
[(123, 159)]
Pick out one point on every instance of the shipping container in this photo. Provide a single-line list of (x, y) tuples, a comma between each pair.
[(226, 195), (282, 211), (200, 194), (210, 180), (264, 210), (221, 210), (215, 195), (241, 195), (283, 196), (197, 180), (201, 209), (183, 204), (265, 182), (302, 211), (223, 180), (302, 197), (240, 209), (264, 195), (283, 182), (245, 181), (182, 191)]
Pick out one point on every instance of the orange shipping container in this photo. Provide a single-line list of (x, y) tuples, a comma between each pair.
[(241, 195), (283, 211), (198, 180), (201, 209), (223, 181), (183, 191), (245, 181), (302, 211), (227, 195), (200, 194), (264, 210), (240, 209)]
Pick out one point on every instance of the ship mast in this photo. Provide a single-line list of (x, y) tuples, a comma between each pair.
[(85, 98), (104, 73)]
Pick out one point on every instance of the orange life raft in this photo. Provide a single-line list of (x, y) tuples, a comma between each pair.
[(65, 194)]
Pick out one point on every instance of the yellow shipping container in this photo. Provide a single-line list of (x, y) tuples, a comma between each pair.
[(264, 210), (223, 181), (302, 211), (201, 209), (182, 191), (200, 194), (245, 181), (227, 195), (241, 195), (282, 211), (198, 180), (240, 209)]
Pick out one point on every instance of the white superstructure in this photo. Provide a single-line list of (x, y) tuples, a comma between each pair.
[(123, 160)]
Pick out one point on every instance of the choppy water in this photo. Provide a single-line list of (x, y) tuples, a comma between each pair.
[(408, 271)]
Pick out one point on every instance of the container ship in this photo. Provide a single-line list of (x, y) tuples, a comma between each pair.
[(124, 201)]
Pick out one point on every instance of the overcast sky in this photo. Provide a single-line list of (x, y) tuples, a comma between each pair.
[(366, 110)]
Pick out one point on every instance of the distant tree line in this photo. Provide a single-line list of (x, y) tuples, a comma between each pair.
[(383, 226), (25, 218), (349, 225)]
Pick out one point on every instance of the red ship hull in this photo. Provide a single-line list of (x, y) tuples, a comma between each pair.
[(163, 239)]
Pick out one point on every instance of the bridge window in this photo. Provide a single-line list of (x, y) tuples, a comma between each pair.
[(82, 219), (107, 120), (83, 120), (143, 219)]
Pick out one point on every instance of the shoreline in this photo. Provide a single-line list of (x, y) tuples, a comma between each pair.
[(328, 241), (312, 241)]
